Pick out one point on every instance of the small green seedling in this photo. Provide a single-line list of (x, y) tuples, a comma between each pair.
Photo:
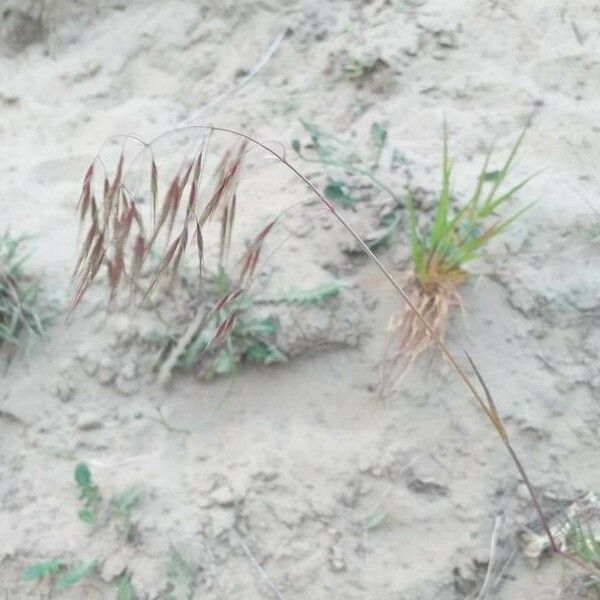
[(124, 506), (585, 544), (375, 521), (384, 235), (89, 494), (76, 574), (359, 68), (182, 577)]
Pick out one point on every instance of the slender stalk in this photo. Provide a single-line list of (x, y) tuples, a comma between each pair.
[(533, 495)]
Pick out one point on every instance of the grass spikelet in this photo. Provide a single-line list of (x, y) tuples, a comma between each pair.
[(200, 248)]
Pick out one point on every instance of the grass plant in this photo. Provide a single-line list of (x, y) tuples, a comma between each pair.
[(115, 220), (57, 572), (440, 252)]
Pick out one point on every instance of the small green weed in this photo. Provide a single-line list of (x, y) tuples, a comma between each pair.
[(337, 153), (123, 506), (41, 570), (89, 494), (20, 314), (340, 154), (375, 521), (57, 571), (124, 588), (318, 295), (585, 545), (75, 574), (251, 338), (182, 577), (357, 69)]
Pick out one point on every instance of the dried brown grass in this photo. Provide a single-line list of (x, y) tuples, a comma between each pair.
[(408, 337)]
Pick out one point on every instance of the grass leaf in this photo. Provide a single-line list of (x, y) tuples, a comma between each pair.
[(317, 295), (334, 191), (124, 588), (38, 571), (83, 477)]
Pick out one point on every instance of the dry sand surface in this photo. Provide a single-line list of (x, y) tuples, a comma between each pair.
[(293, 481)]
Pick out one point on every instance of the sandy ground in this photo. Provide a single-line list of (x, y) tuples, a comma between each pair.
[(296, 479)]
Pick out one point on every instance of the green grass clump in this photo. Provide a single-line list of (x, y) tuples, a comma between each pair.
[(453, 239), (440, 252), (19, 295)]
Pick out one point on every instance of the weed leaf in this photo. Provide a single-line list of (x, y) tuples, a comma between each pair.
[(38, 571), (83, 477), (335, 192), (74, 575)]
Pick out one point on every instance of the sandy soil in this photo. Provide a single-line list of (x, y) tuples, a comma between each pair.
[(296, 478)]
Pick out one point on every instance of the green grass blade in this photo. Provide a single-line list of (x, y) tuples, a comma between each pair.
[(474, 202), (468, 251), (504, 171), (441, 213), (491, 206)]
